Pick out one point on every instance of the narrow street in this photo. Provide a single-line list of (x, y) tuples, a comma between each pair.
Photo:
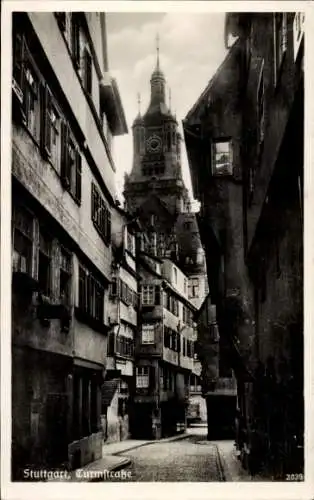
[(190, 459)]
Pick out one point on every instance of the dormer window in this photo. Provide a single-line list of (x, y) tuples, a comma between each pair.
[(222, 158)]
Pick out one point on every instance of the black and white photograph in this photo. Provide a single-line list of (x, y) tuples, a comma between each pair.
[(156, 245)]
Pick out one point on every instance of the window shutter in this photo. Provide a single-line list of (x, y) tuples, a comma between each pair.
[(108, 235), (18, 54), (45, 125), (78, 177), (65, 178), (75, 40), (87, 71)]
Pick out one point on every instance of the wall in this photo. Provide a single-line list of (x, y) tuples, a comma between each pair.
[(42, 181), (53, 44), (89, 344)]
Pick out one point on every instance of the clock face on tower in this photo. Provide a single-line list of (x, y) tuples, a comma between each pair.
[(153, 144)]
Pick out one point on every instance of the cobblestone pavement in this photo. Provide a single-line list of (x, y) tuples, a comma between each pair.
[(190, 459)]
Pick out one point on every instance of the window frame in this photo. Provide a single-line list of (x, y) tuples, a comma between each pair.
[(26, 89), (93, 291), (25, 236), (100, 214), (142, 375), (228, 172)]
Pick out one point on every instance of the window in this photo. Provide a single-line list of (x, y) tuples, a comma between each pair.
[(65, 276), (91, 295), (150, 294), (120, 289), (184, 346), (193, 287), (222, 158), (280, 41), (190, 349), (51, 129), (87, 72), (71, 164), (23, 234), (31, 99), (148, 334), (75, 40), (44, 262), (18, 65), (124, 346), (142, 377), (101, 215)]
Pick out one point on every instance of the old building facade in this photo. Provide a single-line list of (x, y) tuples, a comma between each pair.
[(245, 143), (66, 110), (164, 350), (123, 314)]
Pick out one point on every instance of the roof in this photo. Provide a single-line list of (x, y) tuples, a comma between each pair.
[(211, 83)]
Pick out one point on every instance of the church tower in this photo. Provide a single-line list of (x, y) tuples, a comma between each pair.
[(157, 151), (155, 189)]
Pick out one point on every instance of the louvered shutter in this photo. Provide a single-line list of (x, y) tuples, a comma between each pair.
[(45, 122), (65, 177), (78, 177)]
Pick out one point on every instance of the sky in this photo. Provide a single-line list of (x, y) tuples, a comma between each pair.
[(191, 50)]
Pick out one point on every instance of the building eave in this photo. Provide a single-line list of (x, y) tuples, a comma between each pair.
[(112, 105)]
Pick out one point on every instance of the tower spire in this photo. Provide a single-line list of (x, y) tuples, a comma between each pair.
[(139, 102), (169, 90), (157, 49)]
